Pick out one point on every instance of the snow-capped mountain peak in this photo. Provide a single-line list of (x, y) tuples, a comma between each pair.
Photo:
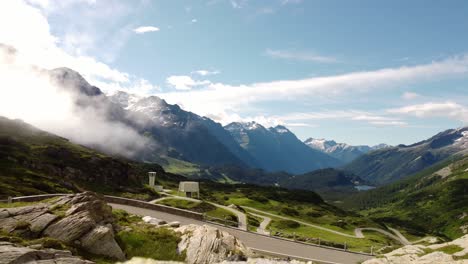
[(341, 151), (320, 144)]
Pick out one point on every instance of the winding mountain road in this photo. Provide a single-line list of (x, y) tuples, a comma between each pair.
[(397, 236), (242, 218), (261, 243), (262, 229)]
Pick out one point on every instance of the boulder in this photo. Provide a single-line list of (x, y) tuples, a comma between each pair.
[(13, 254), (420, 254), (82, 220), (206, 245), (153, 221), (104, 237)]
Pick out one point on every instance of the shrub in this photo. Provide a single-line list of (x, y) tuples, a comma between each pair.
[(22, 225), (314, 214), (289, 211), (203, 207), (253, 221), (285, 224), (259, 198), (150, 242)]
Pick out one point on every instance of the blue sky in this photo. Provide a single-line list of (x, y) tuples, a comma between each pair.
[(360, 72)]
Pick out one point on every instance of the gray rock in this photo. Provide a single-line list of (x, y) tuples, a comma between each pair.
[(206, 245), (86, 224), (104, 237), (71, 228), (174, 224), (41, 222), (13, 254)]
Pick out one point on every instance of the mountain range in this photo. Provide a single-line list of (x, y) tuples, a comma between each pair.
[(175, 133), (390, 164), (278, 149), (341, 151)]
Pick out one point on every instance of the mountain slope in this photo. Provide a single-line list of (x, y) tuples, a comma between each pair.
[(434, 200), (277, 149), (36, 162), (390, 164), (341, 151), (183, 134)]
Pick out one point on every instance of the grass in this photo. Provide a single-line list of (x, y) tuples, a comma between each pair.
[(123, 218), (181, 167), (149, 242), (253, 222), (291, 229), (450, 249), (224, 214)]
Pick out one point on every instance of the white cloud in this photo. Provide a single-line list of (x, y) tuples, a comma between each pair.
[(410, 95), (238, 3), (219, 98), (344, 115), (286, 2), (193, 21), (145, 29), (29, 94), (184, 82), (299, 55), (46, 51), (206, 72), (447, 109)]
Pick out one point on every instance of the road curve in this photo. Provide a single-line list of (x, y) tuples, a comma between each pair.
[(357, 232), (261, 242), (241, 217), (301, 222), (262, 229), (403, 240)]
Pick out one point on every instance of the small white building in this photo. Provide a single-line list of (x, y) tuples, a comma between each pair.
[(189, 188)]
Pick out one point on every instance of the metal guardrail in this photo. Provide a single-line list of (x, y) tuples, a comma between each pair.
[(221, 221)]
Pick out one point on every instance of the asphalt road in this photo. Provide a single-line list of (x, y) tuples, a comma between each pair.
[(263, 243)]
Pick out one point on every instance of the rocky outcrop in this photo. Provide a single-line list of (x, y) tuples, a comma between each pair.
[(12, 254), (433, 254), (205, 245), (81, 220)]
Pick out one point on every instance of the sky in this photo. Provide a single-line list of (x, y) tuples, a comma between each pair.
[(359, 72)]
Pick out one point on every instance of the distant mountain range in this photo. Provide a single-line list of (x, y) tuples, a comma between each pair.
[(183, 135), (390, 164), (175, 134), (341, 151), (278, 149)]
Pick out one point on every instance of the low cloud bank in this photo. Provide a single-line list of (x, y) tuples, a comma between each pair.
[(30, 94)]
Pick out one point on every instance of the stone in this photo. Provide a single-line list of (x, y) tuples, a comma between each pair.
[(104, 237), (87, 223), (417, 254), (14, 254), (174, 224), (71, 228), (206, 245), (41, 222), (153, 220)]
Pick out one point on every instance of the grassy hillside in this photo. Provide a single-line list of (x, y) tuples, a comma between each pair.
[(432, 201), (37, 162), (391, 164)]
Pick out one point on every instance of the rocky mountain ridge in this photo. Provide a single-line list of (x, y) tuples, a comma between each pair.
[(390, 164), (342, 151)]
